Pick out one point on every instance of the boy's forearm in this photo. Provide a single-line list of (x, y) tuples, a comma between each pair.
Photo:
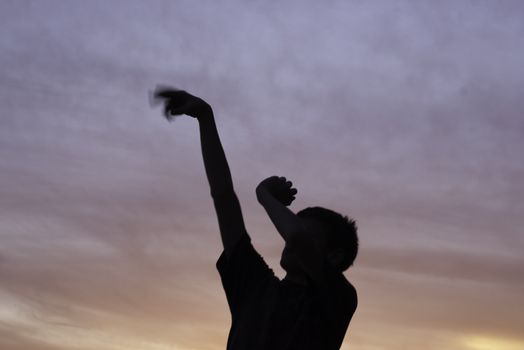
[(286, 222), (226, 203), (215, 162), (227, 206)]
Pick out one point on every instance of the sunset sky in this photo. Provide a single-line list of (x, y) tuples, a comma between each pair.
[(406, 115)]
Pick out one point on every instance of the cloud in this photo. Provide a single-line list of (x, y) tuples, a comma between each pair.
[(454, 265), (404, 116)]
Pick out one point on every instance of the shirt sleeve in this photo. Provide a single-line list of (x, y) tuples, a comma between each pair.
[(242, 272), (339, 303)]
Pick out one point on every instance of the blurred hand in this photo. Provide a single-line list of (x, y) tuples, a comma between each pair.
[(278, 187), (178, 102)]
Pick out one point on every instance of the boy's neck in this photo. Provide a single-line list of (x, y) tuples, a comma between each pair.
[(297, 278)]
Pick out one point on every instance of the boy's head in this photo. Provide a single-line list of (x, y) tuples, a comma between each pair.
[(339, 233)]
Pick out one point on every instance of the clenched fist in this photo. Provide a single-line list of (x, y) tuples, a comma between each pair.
[(278, 187)]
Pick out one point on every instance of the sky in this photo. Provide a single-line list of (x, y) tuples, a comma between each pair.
[(405, 115)]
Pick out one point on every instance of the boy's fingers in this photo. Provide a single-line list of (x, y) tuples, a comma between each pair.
[(167, 111), (171, 100), (172, 110), (168, 92), (178, 107)]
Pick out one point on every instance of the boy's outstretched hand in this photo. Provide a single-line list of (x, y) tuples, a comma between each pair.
[(278, 187), (178, 102)]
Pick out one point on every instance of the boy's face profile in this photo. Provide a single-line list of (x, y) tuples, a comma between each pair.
[(289, 260), (315, 231)]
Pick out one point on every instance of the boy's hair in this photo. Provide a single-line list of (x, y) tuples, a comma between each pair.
[(341, 229)]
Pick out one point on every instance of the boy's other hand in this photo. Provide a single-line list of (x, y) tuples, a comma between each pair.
[(177, 102), (278, 187)]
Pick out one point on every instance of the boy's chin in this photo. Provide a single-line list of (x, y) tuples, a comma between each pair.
[(284, 266), (288, 267)]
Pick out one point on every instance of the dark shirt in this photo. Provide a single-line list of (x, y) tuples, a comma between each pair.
[(270, 314)]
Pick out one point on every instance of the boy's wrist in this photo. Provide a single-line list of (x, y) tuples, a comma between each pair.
[(262, 195), (205, 115)]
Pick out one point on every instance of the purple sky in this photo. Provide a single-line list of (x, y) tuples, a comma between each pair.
[(406, 115)]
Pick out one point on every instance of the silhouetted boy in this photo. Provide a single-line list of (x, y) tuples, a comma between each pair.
[(312, 306)]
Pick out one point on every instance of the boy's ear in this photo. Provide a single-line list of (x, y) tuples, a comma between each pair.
[(335, 257)]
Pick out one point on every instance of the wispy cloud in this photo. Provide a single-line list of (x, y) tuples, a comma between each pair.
[(405, 116)]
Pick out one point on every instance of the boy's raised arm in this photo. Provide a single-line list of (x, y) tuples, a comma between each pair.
[(275, 194), (227, 206)]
